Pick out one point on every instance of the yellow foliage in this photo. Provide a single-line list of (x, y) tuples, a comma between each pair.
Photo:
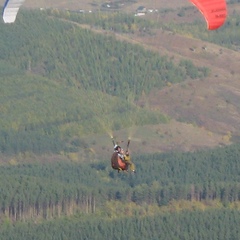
[(13, 162), (226, 138), (169, 84), (134, 27), (125, 27), (73, 156), (116, 209), (151, 210), (229, 134), (55, 11), (15, 125), (210, 133), (235, 205)]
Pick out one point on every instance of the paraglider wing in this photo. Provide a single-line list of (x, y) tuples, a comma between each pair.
[(10, 10), (214, 11)]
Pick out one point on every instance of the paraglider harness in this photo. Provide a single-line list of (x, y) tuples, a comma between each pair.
[(120, 161)]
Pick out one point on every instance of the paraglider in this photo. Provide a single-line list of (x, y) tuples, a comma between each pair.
[(121, 161), (10, 10), (214, 11)]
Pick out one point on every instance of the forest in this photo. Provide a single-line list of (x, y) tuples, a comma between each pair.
[(60, 83), (167, 188)]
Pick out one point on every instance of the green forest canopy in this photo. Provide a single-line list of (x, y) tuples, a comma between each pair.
[(75, 194)]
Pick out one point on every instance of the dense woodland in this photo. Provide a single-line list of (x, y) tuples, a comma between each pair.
[(210, 224), (159, 171), (164, 182), (60, 82)]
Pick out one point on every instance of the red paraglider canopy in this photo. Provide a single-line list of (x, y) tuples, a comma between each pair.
[(214, 11)]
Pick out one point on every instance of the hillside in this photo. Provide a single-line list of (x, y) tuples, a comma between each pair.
[(209, 104), (69, 81), (204, 112)]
